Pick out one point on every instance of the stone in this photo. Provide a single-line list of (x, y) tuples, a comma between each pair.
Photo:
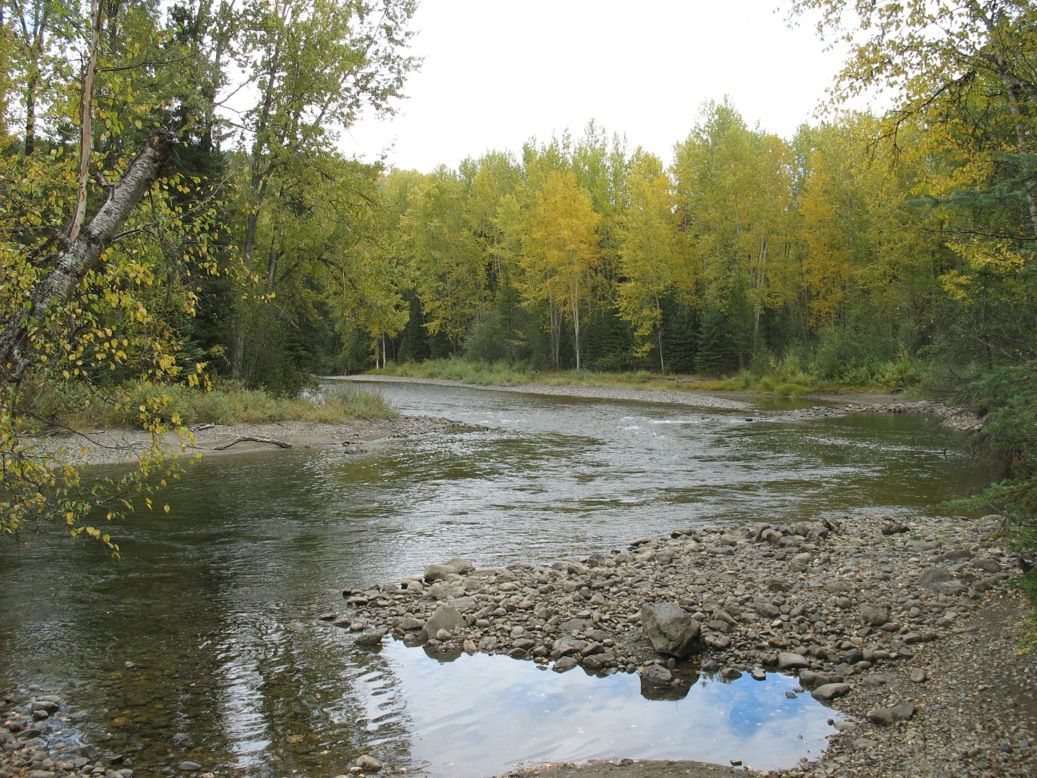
[(874, 615), (439, 573), (987, 565), (892, 714), (918, 675), (463, 604), (565, 664), (462, 566), (598, 662), (670, 629), (189, 767), (932, 578), (572, 626), (444, 617), (767, 609), (790, 661), (800, 562), (367, 764), (370, 638), (655, 675), (829, 691), (567, 645)]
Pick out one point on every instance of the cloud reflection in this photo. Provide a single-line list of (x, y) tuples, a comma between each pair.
[(481, 714)]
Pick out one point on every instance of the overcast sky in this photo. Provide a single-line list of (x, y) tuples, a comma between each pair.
[(498, 72)]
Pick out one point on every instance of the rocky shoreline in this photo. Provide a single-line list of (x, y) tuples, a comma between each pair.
[(887, 620), (959, 419)]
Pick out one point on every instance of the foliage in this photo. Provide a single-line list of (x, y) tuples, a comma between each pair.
[(135, 261)]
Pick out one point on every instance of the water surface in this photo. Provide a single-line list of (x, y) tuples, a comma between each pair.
[(202, 642)]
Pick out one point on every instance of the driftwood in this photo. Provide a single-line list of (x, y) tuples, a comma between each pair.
[(252, 439)]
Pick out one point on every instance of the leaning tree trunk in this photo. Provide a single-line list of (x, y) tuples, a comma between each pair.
[(79, 256)]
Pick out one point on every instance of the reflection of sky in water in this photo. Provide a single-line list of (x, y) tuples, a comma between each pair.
[(482, 714)]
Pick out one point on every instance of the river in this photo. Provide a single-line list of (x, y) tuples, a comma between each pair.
[(202, 643)]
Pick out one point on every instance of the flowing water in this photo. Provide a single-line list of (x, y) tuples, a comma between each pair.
[(202, 644)]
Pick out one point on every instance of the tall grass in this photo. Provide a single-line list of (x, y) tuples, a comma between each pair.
[(505, 374), (83, 407)]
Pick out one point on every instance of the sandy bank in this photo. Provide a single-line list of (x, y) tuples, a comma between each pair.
[(111, 446)]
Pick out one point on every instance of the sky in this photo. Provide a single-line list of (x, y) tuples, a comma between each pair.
[(496, 73)]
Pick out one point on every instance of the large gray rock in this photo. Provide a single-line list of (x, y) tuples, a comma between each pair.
[(874, 615), (446, 618), (893, 714), (829, 691), (439, 573), (789, 661), (940, 580), (670, 629), (462, 566), (655, 675)]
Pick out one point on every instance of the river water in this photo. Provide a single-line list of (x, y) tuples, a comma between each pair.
[(201, 644)]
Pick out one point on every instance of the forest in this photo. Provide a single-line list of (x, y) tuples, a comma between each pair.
[(242, 249)]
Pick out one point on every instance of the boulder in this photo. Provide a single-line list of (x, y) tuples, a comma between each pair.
[(367, 764), (444, 617), (564, 664), (893, 714), (670, 629), (789, 661), (461, 566), (444, 571), (941, 581), (371, 638), (655, 675), (874, 615), (829, 691)]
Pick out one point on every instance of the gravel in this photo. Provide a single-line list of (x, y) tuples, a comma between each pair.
[(924, 664)]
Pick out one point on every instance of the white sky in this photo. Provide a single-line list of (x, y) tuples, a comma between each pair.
[(499, 72)]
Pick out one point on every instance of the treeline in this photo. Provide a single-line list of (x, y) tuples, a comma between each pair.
[(746, 250)]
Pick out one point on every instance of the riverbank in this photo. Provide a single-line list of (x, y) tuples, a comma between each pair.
[(908, 626), (122, 446), (824, 404)]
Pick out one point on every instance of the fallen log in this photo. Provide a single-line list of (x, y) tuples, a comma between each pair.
[(252, 439)]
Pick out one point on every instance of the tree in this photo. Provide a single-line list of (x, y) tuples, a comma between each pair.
[(560, 250), (733, 198), (316, 64), (648, 257), (65, 293), (443, 255), (968, 70)]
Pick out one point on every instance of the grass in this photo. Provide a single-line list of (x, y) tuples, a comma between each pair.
[(83, 407), (779, 380)]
